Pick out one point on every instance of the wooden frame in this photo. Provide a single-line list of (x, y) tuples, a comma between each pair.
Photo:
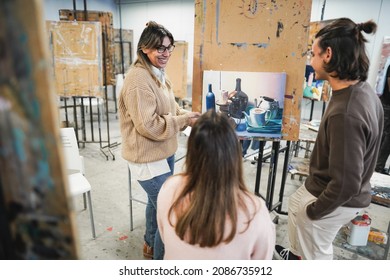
[(36, 221), (254, 36)]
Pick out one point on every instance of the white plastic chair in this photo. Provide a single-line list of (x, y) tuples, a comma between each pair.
[(78, 184)]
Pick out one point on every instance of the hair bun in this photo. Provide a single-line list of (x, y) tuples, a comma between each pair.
[(368, 27)]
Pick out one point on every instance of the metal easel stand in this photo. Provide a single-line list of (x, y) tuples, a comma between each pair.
[(107, 148), (82, 126), (274, 156), (104, 149), (109, 144)]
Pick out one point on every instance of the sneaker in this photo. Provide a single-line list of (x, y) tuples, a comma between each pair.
[(282, 253), (148, 251)]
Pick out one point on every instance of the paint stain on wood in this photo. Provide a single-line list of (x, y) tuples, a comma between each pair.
[(279, 29)]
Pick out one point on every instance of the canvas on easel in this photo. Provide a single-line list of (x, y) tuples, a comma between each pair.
[(123, 57), (107, 28), (36, 221), (253, 36), (265, 91), (76, 57), (177, 69)]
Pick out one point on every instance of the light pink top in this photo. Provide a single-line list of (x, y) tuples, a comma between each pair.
[(257, 242)]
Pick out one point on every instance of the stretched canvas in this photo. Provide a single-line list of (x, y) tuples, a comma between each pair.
[(123, 56), (257, 86), (177, 69), (37, 220), (107, 34), (77, 57)]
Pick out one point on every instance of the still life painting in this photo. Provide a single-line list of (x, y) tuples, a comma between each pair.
[(253, 101)]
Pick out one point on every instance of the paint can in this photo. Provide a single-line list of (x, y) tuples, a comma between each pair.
[(360, 228)]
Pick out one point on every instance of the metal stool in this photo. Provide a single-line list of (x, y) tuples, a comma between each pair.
[(131, 199)]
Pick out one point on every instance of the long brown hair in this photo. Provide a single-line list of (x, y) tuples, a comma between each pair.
[(215, 189), (152, 37), (349, 59)]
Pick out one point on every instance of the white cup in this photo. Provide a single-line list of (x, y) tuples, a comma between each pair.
[(224, 96), (259, 117)]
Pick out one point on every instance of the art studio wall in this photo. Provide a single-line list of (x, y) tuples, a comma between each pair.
[(51, 7), (178, 17)]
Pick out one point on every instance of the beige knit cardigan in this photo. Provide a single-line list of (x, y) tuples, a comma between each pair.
[(149, 118)]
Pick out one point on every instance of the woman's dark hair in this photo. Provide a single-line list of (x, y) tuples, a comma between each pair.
[(349, 59), (214, 186), (151, 37)]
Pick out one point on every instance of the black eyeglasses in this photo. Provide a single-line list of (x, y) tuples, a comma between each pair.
[(162, 49)]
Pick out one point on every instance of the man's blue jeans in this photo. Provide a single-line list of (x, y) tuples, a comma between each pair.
[(152, 188)]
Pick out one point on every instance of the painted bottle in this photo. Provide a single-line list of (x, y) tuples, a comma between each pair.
[(239, 102), (210, 99)]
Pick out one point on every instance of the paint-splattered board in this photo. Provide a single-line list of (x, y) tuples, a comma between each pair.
[(258, 36), (76, 50), (123, 56), (177, 69), (35, 217), (107, 27)]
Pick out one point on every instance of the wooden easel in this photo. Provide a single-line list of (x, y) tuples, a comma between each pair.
[(254, 36)]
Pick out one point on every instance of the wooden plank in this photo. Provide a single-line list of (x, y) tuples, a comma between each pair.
[(107, 27), (253, 36), (76, 57), (36, 221), (177, 69), (380, 184), (125, 59)]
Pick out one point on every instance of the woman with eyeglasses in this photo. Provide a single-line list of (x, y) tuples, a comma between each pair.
[(150, 120)]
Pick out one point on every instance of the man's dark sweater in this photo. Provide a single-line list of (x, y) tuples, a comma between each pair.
[(346, 150)]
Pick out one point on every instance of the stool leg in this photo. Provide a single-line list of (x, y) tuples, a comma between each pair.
[(85, 201), (130, 202), (91, 215)]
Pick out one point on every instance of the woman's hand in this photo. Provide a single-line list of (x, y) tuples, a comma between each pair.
[(193, 117)]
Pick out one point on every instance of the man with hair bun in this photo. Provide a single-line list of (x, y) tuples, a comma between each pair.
[(347, 145)]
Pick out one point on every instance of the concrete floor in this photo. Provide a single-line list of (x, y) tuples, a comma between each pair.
[(110, 197)]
